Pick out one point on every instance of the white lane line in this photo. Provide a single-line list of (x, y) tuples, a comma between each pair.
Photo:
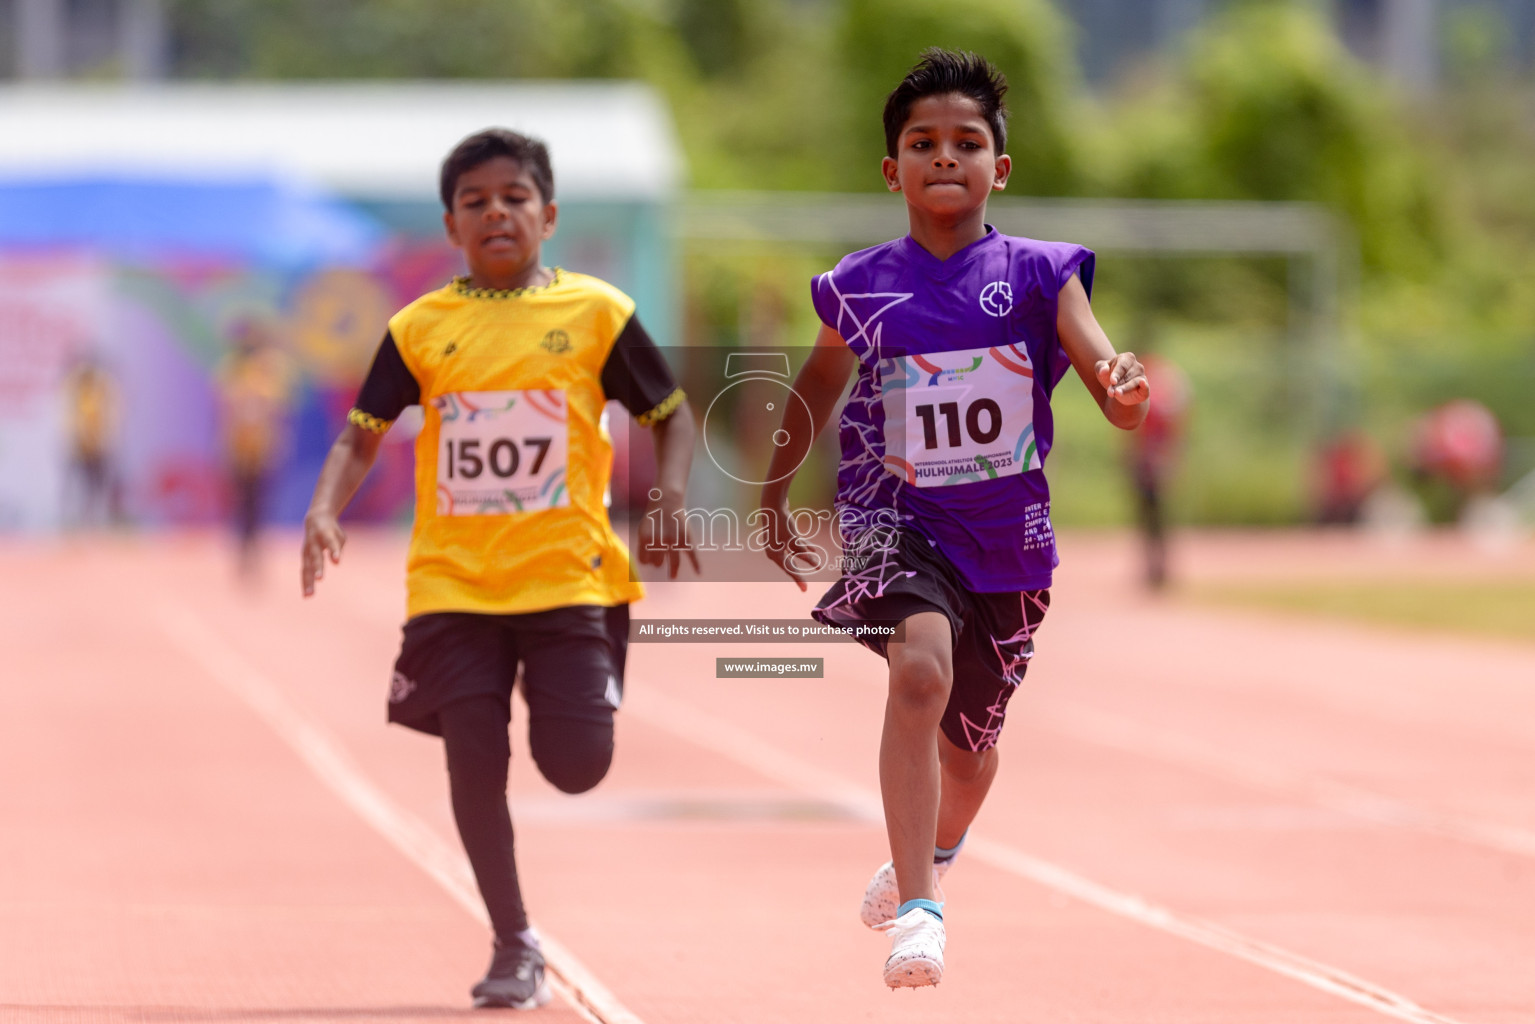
[(327, 758), (724, 737), (1117, 733)]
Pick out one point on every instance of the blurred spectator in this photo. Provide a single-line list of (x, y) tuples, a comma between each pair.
[(92, 495), (1349, 469), (1461, 442), (1460, 445), (254, 385), (1153, 458)]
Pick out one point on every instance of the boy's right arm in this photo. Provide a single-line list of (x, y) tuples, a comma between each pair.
[(820, 383), (387, 391), (349, 460)]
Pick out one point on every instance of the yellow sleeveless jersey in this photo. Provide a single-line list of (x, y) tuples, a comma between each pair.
[(512, 462)]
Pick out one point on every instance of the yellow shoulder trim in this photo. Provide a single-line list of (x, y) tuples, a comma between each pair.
[(372, 424), (663, 411)]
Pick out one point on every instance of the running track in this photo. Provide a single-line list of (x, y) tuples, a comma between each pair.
[(1202, 816)]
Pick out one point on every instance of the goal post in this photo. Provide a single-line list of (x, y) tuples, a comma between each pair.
[(1318, 246)]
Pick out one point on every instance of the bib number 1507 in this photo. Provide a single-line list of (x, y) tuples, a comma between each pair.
[(501, 452), (502, 457)]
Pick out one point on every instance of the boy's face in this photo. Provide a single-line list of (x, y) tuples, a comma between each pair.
[(946, 161), (499, 218)]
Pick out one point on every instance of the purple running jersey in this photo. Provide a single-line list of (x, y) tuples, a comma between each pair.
[(949, 422)]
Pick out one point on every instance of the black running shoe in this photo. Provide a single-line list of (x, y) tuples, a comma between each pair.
[(515, 979)]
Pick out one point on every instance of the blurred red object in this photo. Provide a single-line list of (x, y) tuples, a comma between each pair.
[(1153, 455), (1461, 443), (1155, 444), (1349, 469)]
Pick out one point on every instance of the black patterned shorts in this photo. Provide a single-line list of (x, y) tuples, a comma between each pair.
[(993, 633)]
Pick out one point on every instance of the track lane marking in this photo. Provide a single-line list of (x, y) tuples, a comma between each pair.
[(1146, 741), (327, 758), (703, 729), (721, 736)]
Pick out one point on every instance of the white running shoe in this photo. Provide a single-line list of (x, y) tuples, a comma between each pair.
[(881, 899), (916, 955)]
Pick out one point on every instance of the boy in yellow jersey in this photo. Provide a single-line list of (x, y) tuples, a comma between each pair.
[(512, 558), (254, 384), (91, 493)]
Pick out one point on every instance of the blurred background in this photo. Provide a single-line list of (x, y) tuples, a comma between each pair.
[(1315, 221), (1318, 216)]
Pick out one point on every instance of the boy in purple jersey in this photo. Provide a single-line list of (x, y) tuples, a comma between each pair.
[(958, 334)]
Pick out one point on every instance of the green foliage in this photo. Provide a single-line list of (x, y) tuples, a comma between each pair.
[(1261, 103), (879, 41), (769, 117), (1268, 105), (1478, 45), (719, 33), (413, 39)]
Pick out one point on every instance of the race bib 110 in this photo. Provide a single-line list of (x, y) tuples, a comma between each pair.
[(957, 417), (501, 452)]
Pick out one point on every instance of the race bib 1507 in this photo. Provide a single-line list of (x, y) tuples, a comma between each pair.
[(501, 452), (957, 417)]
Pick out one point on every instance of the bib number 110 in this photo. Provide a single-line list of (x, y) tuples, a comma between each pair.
[(502, 457), (951, 418)]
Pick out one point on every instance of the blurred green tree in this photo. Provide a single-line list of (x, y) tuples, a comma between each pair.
[(418, 39), (718, 33), (1262, 102), (1268, 105), (1028, 40)]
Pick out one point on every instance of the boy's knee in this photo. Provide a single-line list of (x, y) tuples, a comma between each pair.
[(573, 759), (575, 774), (577, 778), (920, 684), (965, 765)]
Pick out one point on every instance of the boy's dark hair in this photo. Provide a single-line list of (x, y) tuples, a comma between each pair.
[(483, 146), (939, 73)]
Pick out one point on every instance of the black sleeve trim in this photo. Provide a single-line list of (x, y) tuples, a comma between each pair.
[(636, 375), (387, 391)]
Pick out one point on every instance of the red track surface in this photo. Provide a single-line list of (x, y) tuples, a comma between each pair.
[(175, 845)]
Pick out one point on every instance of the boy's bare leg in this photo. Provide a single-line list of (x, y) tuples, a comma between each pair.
[(967, 777), (921, 672)]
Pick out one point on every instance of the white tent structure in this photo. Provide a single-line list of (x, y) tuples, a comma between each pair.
[(617, 161), (382, 141)]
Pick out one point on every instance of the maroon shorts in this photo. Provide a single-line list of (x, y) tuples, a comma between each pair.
[(993, 634)]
